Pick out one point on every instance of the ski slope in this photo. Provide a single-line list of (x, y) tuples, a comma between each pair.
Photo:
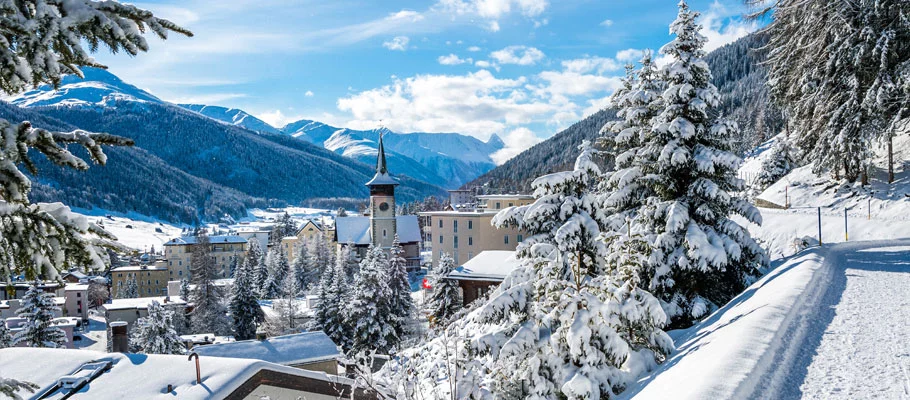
[(829, 323)]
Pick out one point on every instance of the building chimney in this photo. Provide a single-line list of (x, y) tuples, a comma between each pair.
[(120, 337)]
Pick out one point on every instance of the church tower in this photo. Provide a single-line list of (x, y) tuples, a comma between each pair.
[(383, 224)]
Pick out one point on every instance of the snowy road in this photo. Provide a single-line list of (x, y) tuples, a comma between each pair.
[(864, 350), (829, 323)]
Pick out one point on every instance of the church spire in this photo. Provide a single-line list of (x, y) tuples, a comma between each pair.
[(380, 160)]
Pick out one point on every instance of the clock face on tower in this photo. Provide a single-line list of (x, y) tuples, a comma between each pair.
[(384, 206)]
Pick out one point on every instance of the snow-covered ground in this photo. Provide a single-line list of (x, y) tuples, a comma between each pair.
[(830, 323), (133, 230)]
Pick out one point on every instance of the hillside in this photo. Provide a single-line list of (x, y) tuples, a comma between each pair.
[(737, 73), (206, 152), (132, 181), (232, 116)]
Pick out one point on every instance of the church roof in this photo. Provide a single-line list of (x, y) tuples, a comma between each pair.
[(382, 176), (357, 229)]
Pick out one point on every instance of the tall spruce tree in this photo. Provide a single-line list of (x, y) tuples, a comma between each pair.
[(780, 161), (304, 268), (209, 313), (445, 301), (244, 307), (6, 338), (370, 314), (278, 268), (402, 305), (700, 258), (38, 309), (333, 301), (130, 290), (155, 333)]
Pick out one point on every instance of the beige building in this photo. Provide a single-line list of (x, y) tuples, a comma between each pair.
[(130, 310), (179, 254), (76, 301), (306, 234), (151, 279), (464, 234)]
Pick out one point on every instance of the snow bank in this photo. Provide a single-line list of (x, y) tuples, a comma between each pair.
[(756, 346)]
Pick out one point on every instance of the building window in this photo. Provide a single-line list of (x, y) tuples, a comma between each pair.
[(510, 204), (505, 239), (498, 205), (78, 294), (440, 222), (455, 226), (455, 241), (440, 239), (384, 234), (180, 273), (470, 224), (470, 241), (520, 238)]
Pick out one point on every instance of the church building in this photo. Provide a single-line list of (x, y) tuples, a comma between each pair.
[(381, 225)]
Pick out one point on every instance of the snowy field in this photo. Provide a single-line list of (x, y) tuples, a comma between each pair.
[(830, 323)]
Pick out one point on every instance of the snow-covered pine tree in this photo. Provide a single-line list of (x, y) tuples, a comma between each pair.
[(370, 311), (155, 333), (278, 268), (244, 307), (43, 42), (840, 73), (780, 161), (304, 268), (552, 328), (185, 289), (700, 258), (6, 338), (402, 305), (286, 307), (38, 310), (284, 226), (130, 290), (445, 300), (209, 313), (333, 301)]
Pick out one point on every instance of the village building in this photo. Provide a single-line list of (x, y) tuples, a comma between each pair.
[(75, 300), (150, 279), (380, 227), (483, 273), (86, 374), (465, 234), (307, 233), (179, 254), (313, 351), (17, 290), (130, 310)]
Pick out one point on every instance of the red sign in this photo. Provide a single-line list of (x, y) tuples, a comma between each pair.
[(426, 284)]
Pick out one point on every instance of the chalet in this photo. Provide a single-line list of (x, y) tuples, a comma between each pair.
[(312, 351), (483, 273)]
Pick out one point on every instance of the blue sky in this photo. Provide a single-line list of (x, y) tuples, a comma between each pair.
[(523, 69)]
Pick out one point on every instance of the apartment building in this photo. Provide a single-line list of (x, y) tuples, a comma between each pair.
[(151, 279), (179, 254)]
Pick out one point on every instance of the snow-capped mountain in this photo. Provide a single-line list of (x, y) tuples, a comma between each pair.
[(98, 88), (454, 158), (232, 116)]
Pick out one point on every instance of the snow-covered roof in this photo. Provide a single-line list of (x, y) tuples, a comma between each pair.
[(75, 286), (187, 240), (139, 268), (139, 376), (490, 265), (139, 302), (505, 196), (382, 179), (301, 348), (357, 229)]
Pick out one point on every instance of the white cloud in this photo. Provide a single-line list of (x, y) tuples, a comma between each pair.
[(720, 27), (516, 141), (477, 104), (309, 93), (591, 64), (607, 23), (569, 83), (484, 64), (473, 49), (629, 55), (520, 55), (398, 43), (494, 9), (493, 26), (453, 59), (278, 119)]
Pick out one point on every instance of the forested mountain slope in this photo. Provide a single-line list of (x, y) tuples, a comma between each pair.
[(740, 78)]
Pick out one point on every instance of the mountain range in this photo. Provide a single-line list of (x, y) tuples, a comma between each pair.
[(443, 159), (737, 72), (185, 167)]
